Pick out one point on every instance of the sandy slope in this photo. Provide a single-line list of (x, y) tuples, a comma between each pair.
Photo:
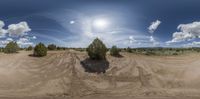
[(60, 75)]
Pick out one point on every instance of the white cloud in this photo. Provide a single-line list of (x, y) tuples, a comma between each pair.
[(2, 24), (131, 39), (9, 39), (14, 29), (34, 37), (187, 32), (193, 44), (18, 29), (2, 31), (196, 43), (6, 41), (22, 42), (72, 22), (153, 41), (3, 43), (154, 25)]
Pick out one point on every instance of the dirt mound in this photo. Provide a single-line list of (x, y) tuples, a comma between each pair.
[(61, 74)]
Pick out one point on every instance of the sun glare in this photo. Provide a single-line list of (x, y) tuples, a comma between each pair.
[(100, 23)]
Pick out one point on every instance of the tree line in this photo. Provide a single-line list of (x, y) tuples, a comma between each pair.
[(97, 50)]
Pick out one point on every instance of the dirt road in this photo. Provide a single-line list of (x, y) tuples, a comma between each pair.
[(60, 75)]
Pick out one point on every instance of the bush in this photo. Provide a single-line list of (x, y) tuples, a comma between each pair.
[(114, 51), (29, 48), (40, 50), (11, 47), (149, 53), (97, 50), (129, 50), (175, 53), (52, 47), (80, 49), (58, 48), (1, 49)]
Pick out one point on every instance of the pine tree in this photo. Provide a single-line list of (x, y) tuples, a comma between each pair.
[(97, 50), (40, 50), (11, 47)]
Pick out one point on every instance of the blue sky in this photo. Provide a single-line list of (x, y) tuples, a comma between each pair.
[(75, 23)]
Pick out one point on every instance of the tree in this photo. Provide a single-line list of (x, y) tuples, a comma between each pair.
[(114, 51), (40, 50), (29, 48), (11, 47), (52, 47), (97, 50)]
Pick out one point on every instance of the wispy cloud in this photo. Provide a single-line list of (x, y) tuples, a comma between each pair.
[(82, 32)]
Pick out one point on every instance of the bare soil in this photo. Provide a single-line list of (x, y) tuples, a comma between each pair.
[(60, 75)]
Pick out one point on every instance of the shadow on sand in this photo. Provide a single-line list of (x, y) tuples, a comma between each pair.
[(95, 66), (31, 55), (118, 56)]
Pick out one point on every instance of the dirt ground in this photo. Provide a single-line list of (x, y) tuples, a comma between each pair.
[(60, 75)]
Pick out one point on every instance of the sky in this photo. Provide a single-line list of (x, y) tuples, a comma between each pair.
[(124, 23)]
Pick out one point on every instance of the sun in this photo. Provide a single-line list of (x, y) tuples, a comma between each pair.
[(100, 23)]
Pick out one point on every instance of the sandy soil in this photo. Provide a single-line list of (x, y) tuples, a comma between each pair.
[(60, 75)]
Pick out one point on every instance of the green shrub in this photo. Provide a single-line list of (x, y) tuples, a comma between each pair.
[(149, 53), (80, 49), (58, 48), (30, 48), (97, 50), (40, 50), (52, 47), (1, 49), (21, 49), (114, 51), (11, 47), (175, 53), (129, 50)]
